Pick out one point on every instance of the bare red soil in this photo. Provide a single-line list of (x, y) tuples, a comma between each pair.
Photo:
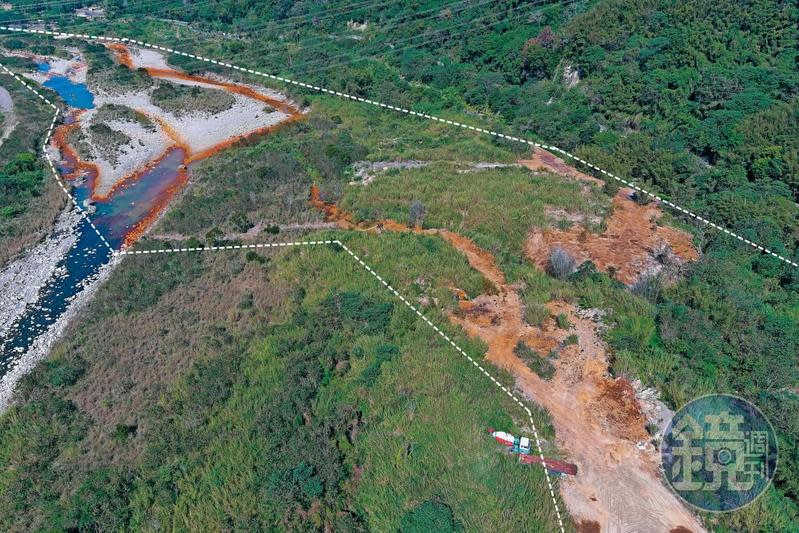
[(547, 162), (597, 418), (629, 247)]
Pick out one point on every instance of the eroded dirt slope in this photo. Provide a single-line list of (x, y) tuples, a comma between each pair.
[(597, 419), (632, 245)]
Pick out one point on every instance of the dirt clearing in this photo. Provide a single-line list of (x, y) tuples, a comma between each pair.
[(632, 245), (597, 419)]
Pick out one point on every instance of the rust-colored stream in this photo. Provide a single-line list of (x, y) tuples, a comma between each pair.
[(77, 167)]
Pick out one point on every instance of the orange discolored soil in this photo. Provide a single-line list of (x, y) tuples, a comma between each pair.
[(597, 419), (80, 167), (632, 244), (542, 160)]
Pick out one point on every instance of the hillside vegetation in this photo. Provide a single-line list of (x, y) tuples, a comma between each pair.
[(309, 399), (29, 197), (696, 100)]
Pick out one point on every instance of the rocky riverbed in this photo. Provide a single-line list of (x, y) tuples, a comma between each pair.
[(21, 280), (41, 346)]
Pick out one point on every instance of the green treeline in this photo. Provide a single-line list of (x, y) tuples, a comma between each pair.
[(20, 180)]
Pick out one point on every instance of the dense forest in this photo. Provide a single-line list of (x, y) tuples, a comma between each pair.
[(696, 100)]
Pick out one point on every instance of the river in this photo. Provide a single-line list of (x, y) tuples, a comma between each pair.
[(123, 213), (121, 216)]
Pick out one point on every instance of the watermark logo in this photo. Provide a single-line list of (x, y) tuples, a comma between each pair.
[(719, 453)]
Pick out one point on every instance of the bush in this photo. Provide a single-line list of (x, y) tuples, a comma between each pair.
[(63, 372), (384, 352), (536, 314), (252, 255), (416, 214), (542, 366), (561, 264), (429, 516), (648, 286), (241, 222)]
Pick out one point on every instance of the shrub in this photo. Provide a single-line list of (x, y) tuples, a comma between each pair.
[(241, 222), (561, 264), (428, 516), (648, 286), (542, 366), (252, 255), (123, 431), (63, 372), (562, 321), (416, 214), (384, 352), (536, 314)]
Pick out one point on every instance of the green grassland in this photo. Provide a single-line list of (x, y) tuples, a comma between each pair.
[(310, 398), (268, 180), (497, 208)]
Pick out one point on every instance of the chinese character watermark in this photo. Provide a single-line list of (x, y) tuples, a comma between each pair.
[(719, 453)]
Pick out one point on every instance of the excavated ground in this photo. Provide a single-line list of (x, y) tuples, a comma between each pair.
[(633, 244), (597, 418)]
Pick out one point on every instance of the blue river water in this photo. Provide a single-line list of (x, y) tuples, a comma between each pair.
[(81, 263), (113, 218), (74, 94)]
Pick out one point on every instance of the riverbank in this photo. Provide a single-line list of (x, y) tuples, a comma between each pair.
[(126, 157), (21, 280), (8, 117), (40, 347)]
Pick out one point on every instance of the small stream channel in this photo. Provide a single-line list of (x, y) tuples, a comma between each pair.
[(115, 217)]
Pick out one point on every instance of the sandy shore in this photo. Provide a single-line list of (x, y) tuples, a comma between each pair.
[(148, 58), (145, 145), (197, 132), (21, 281)]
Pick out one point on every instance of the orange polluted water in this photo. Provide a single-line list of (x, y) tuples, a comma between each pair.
[(178, 177)]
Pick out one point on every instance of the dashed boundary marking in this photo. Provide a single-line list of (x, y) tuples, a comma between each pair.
[(405, 301), (50, 160), (318, 88), (352, 254)]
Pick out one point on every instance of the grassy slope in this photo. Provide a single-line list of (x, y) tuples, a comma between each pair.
[(93, 445), (104, 436), (497, 208)]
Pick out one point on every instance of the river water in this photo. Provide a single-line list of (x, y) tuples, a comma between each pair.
[(120, 215)]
